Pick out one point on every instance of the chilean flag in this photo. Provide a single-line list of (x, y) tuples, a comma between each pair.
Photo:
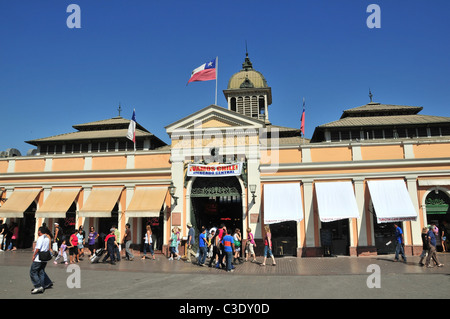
[(302, 127), (132, 128), (204, 72)]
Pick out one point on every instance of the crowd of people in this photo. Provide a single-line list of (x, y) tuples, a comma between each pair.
[(222, 246)]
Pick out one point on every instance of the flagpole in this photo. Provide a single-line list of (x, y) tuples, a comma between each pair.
[(217, 75)]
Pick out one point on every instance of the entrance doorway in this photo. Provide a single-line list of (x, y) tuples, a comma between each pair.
[(438, 213), (340, 236), (216, 201), (384, 235), (156, 225), (27, 226)]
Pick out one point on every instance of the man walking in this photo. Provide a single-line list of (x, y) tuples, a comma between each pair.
[(228, 249), (190, 243), (39, 278), (127, 241), (110, 246), (432, 248), (399, 248), (203, 247)]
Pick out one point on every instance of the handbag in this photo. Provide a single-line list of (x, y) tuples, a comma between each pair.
[(45, 255)]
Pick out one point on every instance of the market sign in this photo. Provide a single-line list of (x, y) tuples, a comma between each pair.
[(220, 170)]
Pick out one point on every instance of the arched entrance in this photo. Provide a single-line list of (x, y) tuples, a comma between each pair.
[(216, 201), (437, 204)]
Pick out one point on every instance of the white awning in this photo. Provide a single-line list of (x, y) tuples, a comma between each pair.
[(336, 200), (282, 202), (391, 201)]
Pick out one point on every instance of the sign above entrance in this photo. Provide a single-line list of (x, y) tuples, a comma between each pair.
[(220, 170)]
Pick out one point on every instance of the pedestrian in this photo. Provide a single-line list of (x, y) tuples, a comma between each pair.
[(38, 276), (424, 236), (268, 247), (2, 234), (228, 248), (173, 243), (203, 247), (127, 240), (148, 243), (92, 237), (83, 235), (62, 253), (80, 243), (400, 243), (15, 236), (237, 244), (73, 247), (110, 246), (432, 248), (250, 245), (190, 242), (118, 247), (213, 244), (445, 235), (178, 232), (58, 235), (211, 234), (221, 233)]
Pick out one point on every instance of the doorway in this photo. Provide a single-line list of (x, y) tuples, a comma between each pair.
[(216, 201), (340, 236)]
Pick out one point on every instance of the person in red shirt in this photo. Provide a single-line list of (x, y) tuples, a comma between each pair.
[(110, 244), (73, 247)]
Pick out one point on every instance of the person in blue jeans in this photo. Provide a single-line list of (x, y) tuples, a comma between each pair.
[(203, 247), (39, 277), (228, 249), (399, 248)]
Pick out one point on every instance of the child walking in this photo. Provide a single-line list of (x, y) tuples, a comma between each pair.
[(62, 253)]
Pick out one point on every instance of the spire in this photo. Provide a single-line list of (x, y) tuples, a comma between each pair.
[(370, 96), (247, 65), (119, 109)]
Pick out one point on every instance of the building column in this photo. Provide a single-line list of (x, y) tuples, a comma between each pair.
[(416, 238), (309, 215)]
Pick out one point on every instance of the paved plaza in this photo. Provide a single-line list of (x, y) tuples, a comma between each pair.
[(292, 278)]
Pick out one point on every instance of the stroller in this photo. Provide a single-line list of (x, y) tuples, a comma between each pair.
[(96, 257)]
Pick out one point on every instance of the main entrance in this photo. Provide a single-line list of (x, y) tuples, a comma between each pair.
[(216, 201)]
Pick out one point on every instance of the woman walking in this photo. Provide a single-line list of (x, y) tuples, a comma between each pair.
[(148, 243), (268, 246)]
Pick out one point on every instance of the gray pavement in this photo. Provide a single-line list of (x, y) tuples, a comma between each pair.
[(292, 278)]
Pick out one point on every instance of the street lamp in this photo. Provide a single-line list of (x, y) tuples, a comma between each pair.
[(253, 191), (172, 190)]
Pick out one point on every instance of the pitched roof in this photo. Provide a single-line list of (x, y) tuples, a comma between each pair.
[(386, 120), (381, 109)]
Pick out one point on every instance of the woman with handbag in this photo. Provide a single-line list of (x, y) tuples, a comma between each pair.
[(41, 255)]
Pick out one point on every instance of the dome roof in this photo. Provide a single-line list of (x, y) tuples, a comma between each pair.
[(247, 78)]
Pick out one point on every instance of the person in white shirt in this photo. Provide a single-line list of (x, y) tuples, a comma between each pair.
[(39, 277)]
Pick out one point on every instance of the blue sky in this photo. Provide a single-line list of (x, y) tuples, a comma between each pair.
[(140, 54)]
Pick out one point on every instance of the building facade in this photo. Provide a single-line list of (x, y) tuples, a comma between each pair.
[(338, 193)]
